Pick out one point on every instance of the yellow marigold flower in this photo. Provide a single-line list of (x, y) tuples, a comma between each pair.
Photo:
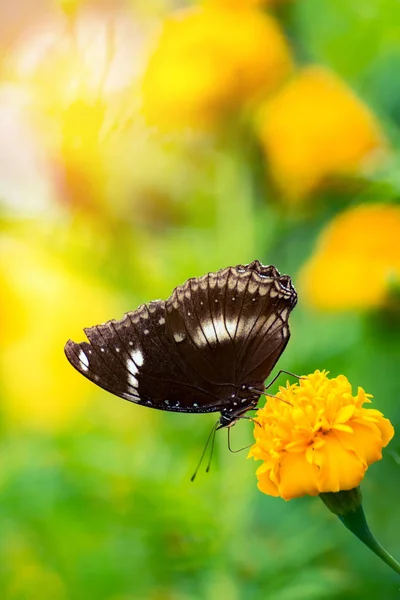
[(315, 128), (210, 60), (316, 437), (357, 259)]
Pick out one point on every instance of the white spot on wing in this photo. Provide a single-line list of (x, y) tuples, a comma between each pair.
[(231, 326), (179, 336), (209, 332), (137, 356), (222, 331), (83, 359), (132, 371)]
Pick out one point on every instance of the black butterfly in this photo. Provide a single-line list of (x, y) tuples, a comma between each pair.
[(208, 348)]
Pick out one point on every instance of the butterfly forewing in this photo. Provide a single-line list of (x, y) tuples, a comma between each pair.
[(196, 321), (233, 323), (211, 341)]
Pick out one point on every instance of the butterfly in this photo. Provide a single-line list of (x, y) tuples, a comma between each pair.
[(208, 348)]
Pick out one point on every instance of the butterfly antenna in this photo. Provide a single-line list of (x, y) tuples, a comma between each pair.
[(212, 447), (211, 435)]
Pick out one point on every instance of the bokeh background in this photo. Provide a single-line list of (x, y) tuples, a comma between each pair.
[(143, 142)]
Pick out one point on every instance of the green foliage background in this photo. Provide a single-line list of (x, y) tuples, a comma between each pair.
[(104, 508)]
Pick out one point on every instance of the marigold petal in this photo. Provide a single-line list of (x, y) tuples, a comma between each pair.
[(298, 477), (345, 414), (365, 441), (372, 416), (340, 469), (300, 417), (387, 431), (257, 453), (341, 427), (265, 484)]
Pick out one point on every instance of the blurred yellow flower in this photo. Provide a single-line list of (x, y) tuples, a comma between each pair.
[(315, 128), (239, 4), (69, 7), (84, 181), (357, 260), (236, 4), (43, 303), (210, 61), (315, 437)]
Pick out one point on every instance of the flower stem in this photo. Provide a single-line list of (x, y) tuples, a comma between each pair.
[(348, 507), (357, 524)]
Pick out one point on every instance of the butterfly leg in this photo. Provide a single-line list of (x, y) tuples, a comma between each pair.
[(279, 374), (270, 396), (229, 441)]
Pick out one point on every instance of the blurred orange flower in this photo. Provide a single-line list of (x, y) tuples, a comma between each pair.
[(42, 304), (315, 437), (209, 61), (357, 260), (315, 128)]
